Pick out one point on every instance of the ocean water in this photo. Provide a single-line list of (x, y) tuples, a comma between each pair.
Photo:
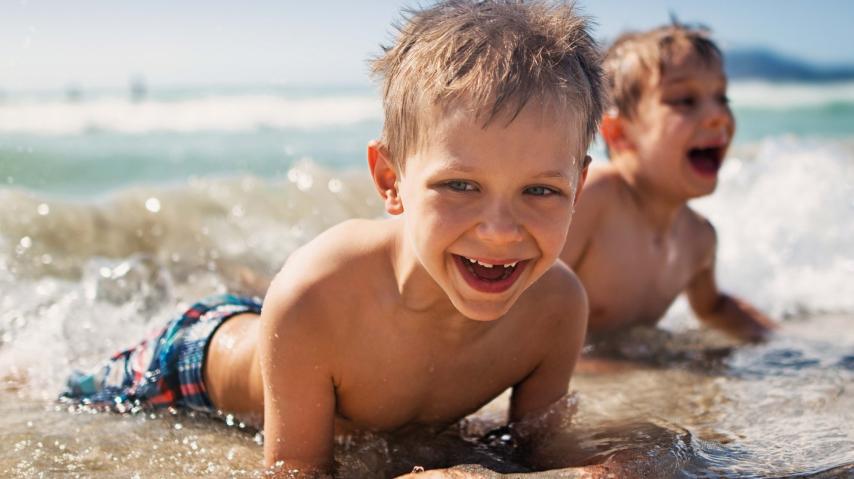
[(115, 212)]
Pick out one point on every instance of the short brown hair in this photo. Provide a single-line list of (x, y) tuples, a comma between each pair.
[(493, 54), (637, 59)]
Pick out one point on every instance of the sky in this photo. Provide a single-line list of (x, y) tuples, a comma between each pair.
[(50, 44)]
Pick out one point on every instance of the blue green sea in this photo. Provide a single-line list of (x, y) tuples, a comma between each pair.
[(118, 208)]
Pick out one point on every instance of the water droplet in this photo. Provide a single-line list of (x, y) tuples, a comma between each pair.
[(26, 242), (43, 209), (153, 205), (335, 185), (179, 426), (237, 211), (303, 180), (305, 183), (47, 259)]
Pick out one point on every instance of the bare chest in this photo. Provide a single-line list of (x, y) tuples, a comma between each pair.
[(633, 278), (410, 387)]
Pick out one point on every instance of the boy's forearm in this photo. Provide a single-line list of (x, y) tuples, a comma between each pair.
[(739, 318), (292, 470)]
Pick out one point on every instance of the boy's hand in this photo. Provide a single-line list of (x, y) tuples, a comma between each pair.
[(730, 314)]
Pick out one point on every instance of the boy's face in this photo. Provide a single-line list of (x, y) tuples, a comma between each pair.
[(487, 209), (682, 128)]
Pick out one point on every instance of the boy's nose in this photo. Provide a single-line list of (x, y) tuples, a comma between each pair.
[(499, 225), (718, 116)]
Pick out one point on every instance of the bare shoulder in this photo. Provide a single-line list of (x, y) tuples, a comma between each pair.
[(328, 267), (604, 195), (603, 187), (559, 298), (332, 255), (701, 234), (601, 196)]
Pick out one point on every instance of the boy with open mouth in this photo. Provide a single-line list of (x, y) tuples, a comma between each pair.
[(418, 320), (634, 242)]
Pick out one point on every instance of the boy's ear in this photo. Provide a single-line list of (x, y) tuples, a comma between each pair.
[(385, 177), (611, 129), (582, 178)]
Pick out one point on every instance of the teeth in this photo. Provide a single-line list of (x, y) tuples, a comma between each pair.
[(487, 265)]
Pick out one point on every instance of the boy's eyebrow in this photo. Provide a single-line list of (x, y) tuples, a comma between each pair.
[(459, 167), (552, 174), (456, 167)]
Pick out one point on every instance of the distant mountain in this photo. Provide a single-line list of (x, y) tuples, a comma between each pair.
[(762, 64)]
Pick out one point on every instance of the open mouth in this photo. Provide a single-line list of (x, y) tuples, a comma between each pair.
[(489, 277), (706, 161)]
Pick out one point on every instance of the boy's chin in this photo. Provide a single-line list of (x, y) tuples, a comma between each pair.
[(482, 310), (702, 189)]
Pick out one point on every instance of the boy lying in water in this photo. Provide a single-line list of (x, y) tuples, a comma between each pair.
[(634, 242), (421, 319)]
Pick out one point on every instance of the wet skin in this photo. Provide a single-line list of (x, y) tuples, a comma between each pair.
[(634, 241), (389, 325)]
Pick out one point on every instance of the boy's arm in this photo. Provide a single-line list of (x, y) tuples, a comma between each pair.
[(728, 313), (299, 396), (539, 405)]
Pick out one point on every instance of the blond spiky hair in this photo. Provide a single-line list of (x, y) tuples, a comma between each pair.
[(494, 56)]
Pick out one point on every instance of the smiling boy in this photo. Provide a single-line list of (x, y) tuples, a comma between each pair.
[(634, 242), (420, 319)]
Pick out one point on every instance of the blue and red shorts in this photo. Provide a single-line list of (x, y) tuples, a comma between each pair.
[(166, 369)]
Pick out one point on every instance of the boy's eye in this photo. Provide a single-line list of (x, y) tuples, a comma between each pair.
[(540, 191), (723, 99), (685, 101), (459, 185)]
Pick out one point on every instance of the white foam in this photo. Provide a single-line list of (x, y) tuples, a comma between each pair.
[(785, 223), (757, 94), (215, 113)]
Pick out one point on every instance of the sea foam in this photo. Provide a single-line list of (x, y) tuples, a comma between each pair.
[(224, 113)]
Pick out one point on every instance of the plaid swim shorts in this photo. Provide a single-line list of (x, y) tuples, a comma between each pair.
[(166, 369)]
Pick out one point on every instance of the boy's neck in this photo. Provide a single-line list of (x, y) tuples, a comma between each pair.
[(659, 209)]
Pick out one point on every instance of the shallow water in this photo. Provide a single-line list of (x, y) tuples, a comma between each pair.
[(90, 261), (687, 407)]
